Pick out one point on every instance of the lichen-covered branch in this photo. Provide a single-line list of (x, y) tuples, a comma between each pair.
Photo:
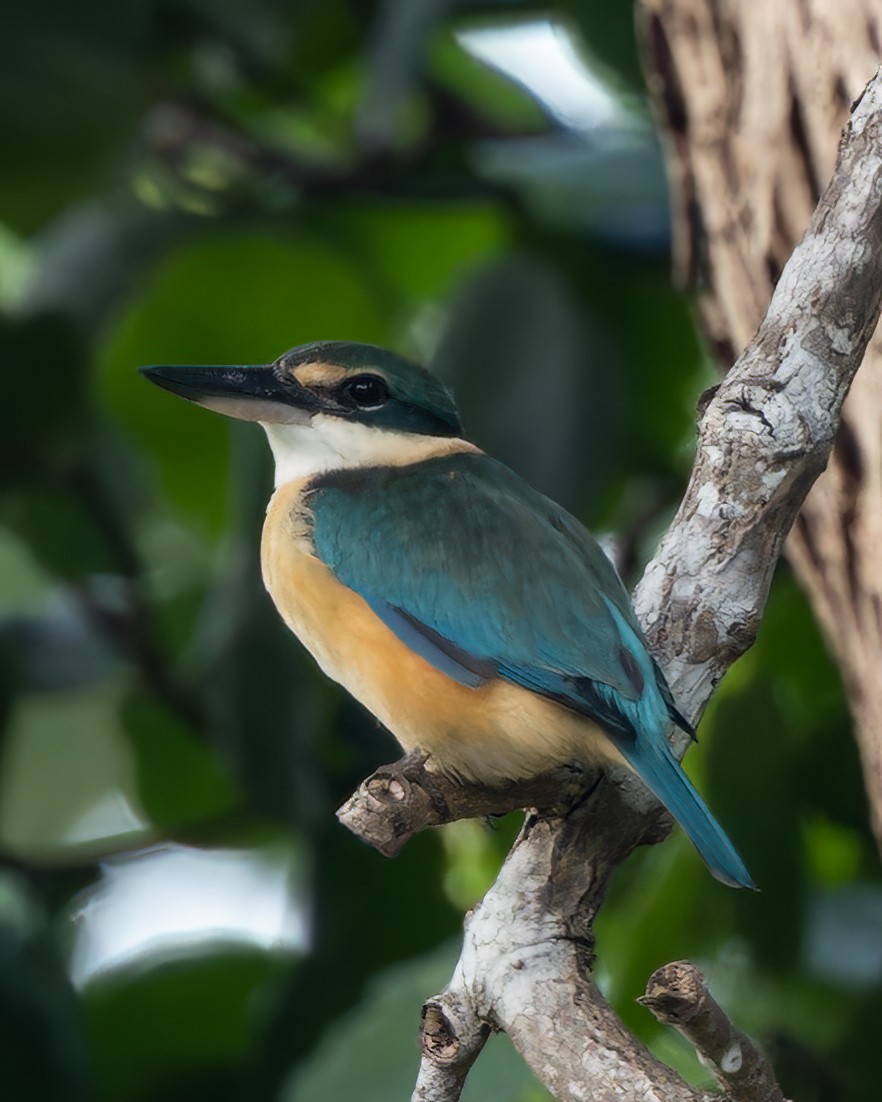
[(764, 437), (677, 995)]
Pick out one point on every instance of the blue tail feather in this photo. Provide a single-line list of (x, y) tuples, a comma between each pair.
[(663, 776)]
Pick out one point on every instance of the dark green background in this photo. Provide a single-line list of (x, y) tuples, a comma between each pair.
[(202, 181)]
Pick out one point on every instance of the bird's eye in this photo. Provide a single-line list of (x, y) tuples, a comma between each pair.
[(366, 391)]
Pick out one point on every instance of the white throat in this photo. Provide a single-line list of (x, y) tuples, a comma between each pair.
[(330, 443)]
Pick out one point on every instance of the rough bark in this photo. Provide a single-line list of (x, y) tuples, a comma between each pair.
[(752, 97), (764, 437), (677, 995), (401, 799)]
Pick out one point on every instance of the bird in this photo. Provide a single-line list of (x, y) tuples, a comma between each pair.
[(481, 623)]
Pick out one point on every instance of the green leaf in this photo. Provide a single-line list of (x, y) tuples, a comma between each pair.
[(531, 373), (179, 780), (60, 532), (494, 95), (24, 585), (185, 1027), (415, 251), (66, 783)]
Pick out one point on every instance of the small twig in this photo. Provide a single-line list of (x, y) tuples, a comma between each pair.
[(677, 995), (401, 799), (451, 1038)]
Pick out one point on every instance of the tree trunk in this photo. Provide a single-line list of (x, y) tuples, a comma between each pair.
[(752, 97)]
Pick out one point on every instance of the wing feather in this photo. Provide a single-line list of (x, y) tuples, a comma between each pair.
[(485, 577)]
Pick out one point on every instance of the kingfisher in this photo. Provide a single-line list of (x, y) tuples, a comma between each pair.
[(478, 621)]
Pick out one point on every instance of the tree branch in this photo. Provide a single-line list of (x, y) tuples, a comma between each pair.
[(401, 799), (528, 952), (677, 995), (763, 439), (451, 1039)]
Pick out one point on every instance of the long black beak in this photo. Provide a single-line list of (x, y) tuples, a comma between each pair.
[(252, 392)]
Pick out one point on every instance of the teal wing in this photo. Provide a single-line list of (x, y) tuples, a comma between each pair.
[(486, 578)]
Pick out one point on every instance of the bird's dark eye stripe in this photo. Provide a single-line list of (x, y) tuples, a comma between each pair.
[(365, 391)]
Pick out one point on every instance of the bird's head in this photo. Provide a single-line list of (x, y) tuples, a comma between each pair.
[(325, 405)]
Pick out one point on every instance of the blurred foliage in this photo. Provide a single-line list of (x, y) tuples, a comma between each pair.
[(194, 181)]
